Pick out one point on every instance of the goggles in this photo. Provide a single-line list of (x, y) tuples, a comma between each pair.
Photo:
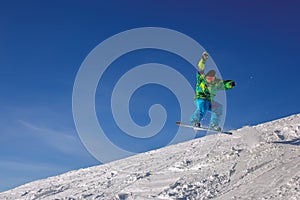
[(210, 78)]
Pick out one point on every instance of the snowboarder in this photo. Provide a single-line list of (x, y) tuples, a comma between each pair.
[(206, 88)]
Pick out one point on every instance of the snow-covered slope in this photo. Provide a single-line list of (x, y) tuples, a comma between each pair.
[(260, 162)]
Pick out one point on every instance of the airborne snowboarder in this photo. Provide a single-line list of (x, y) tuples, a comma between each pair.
[(206, 88)]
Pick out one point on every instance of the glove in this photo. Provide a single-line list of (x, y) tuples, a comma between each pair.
[(232, 84), (204, 55)]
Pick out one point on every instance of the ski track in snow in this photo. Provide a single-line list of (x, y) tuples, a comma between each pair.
[(259, 162)]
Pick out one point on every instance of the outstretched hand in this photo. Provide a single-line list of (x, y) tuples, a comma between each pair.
[(232, 84), (229, 84)]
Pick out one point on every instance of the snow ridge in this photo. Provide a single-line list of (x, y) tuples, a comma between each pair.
[(259, 162)]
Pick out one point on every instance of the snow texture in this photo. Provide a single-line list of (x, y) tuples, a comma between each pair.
[(260, 162)]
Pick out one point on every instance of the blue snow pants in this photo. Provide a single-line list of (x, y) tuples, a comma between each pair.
[(202, 106)]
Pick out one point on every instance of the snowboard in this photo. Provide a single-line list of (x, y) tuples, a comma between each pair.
[(202, 128)]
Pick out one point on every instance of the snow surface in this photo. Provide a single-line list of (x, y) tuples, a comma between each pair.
[(260, 162)]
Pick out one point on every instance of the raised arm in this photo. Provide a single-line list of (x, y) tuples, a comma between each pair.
[(201, 64)]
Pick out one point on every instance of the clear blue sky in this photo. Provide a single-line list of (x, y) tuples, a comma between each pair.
[(43, 43)]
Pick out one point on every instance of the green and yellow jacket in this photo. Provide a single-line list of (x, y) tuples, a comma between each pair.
[(206, 90)]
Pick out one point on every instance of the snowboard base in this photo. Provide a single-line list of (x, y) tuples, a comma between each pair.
[(202, 128)]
